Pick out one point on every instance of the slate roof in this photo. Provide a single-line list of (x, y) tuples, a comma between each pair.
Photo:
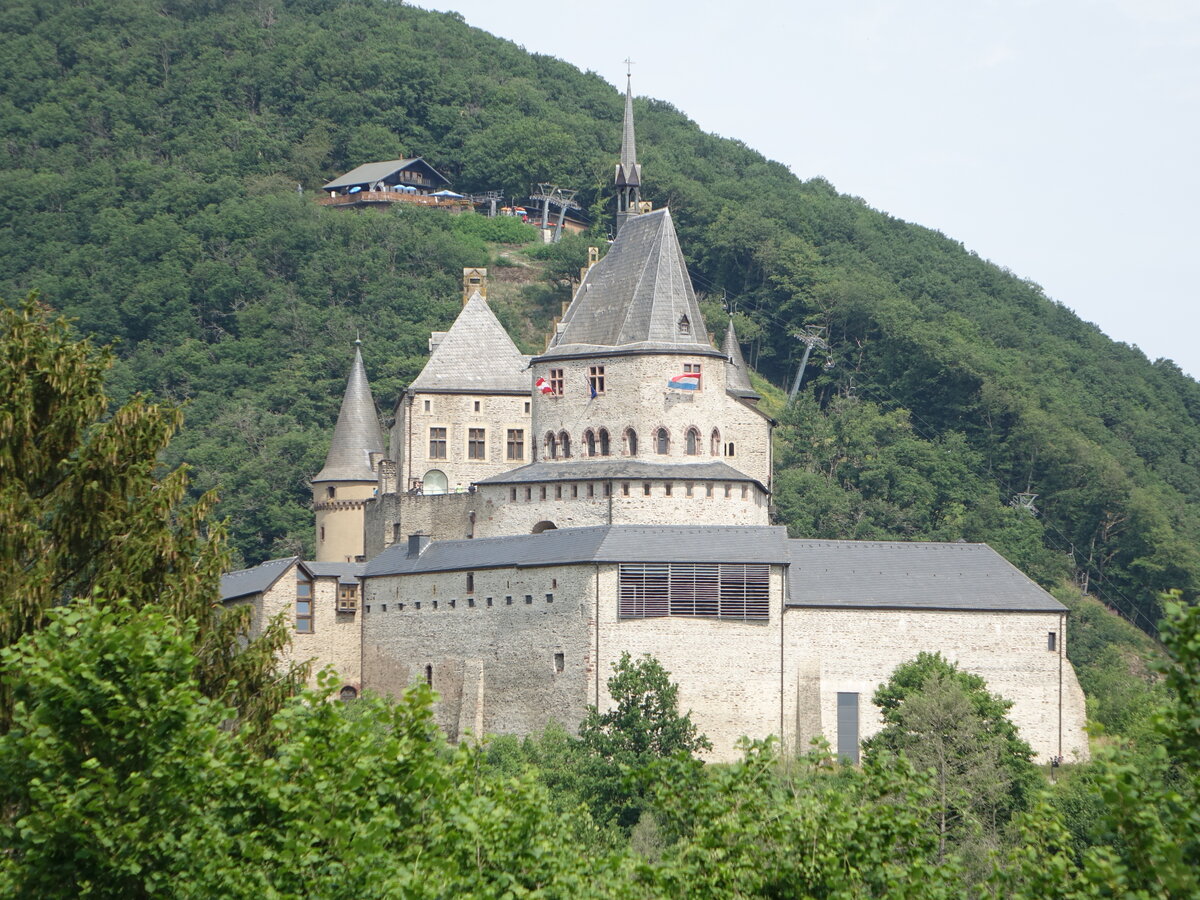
[(344, 572), (369, 173), (356, 433), (618, 469), (737, 375), (601, 543), (476, 356), (898, 575), (633, 299), (628, 171), (248, 582)]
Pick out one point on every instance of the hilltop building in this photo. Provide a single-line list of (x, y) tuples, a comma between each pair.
[(536, 517)]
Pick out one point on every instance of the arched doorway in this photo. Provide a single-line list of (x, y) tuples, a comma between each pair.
[(544, 526), (435, 482)]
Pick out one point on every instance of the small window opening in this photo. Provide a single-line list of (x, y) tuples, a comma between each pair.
[(470, 582), (645, 489), (476, 406), (1052, 641), (560, 662), (489, 601), (429, 675), (549, 598), (529, 599)]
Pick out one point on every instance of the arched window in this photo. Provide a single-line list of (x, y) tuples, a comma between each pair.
[(564, 441), (693, 442), (348, 693), (435, 482), (589, 440), (630, 442), (551, 446), (729, 449), (662, 441), (603, 435), (716, 443)]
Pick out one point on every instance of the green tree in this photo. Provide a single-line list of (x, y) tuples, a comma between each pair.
[(944, 720), (83, 510)]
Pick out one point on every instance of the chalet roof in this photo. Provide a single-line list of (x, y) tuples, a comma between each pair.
[(356, 434), (476, 356), (369, 173), (344, 572), (628, 171), (622, 469), (601, 543), (899, 575), (636, 298), (737, 375), (260, 578)]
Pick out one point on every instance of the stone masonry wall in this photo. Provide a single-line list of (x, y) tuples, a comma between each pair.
[(457, 413), (728, 672), (490, 652), (855, 650), (636, 396)]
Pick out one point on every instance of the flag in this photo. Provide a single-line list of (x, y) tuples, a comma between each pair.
[(591, 386), (543, 386), (688, 381)]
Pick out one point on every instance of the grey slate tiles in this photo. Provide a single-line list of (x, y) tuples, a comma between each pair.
[(476, 356), (356, 434)]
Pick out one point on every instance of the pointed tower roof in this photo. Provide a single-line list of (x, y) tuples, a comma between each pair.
[(356, 434), (476, 356), (639, 298), (629, 173), (737, 376)]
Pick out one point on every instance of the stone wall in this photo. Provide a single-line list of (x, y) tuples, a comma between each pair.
[(636, 396), (457, 413), (728, 672), (828, 651), (493, 652)]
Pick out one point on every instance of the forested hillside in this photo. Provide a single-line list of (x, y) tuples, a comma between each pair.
[(150, 154)]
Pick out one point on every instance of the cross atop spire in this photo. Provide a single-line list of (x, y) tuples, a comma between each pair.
[(629, 173)]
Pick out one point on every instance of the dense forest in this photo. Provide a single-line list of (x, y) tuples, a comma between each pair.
[(151, 158)]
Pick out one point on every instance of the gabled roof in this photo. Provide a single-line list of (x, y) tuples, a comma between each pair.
[(601, 543), (618, 469), (248, 582), (356, 434), (737, 375), (634, 300), (899, 575), (369, 173), (476, 356), (344, 572)]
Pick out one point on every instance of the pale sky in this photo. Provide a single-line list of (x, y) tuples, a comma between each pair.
[(1057, 138)]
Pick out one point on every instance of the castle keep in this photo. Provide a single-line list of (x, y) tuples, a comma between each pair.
[(533, 518)]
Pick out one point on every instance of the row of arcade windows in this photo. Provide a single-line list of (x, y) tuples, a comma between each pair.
[(597, 443)]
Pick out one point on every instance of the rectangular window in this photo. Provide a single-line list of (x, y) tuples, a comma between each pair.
[(556, 382), (596, 379), (528, 599), (560, 662), (516, 443), (1052, 641), (542, 492), (624, 488), (706, 590), (692, 369), (347, 598), (437, 443), (476, 406), (508, 600), (690, 486), (645, 489), (426, 406), (728, 491), (591, 489), (476, 445), (489, 601), (526, 406), (528, 493), (470, 582), (304, 608), (549, 598), (574, 492), (708, 489), (512, 493), (558, 492), (745, 491), (666, 489), (847, 727)]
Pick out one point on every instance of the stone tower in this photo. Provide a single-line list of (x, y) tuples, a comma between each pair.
[(350, 475), (629, 173)]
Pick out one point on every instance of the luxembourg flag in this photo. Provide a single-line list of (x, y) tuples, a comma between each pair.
[(689, 381), (543, 386)]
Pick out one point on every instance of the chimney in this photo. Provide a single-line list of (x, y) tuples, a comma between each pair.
[(417, 544), (474, 279)]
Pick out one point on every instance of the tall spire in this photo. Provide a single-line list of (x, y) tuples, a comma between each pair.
[(356, 435), (629, 173), (737, 376)]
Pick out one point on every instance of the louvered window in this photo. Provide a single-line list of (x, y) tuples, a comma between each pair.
[(717, 590)]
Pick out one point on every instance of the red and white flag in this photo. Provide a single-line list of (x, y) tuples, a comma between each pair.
[(543, 386)]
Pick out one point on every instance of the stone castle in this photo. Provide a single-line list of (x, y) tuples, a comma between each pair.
[(533, 518)]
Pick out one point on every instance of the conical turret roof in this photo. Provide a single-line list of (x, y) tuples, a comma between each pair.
[(639, 298), (629, 173), (356, 434), (737, 376), (476, 356)]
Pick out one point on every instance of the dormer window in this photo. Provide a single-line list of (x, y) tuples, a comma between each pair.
[(685, 327)]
